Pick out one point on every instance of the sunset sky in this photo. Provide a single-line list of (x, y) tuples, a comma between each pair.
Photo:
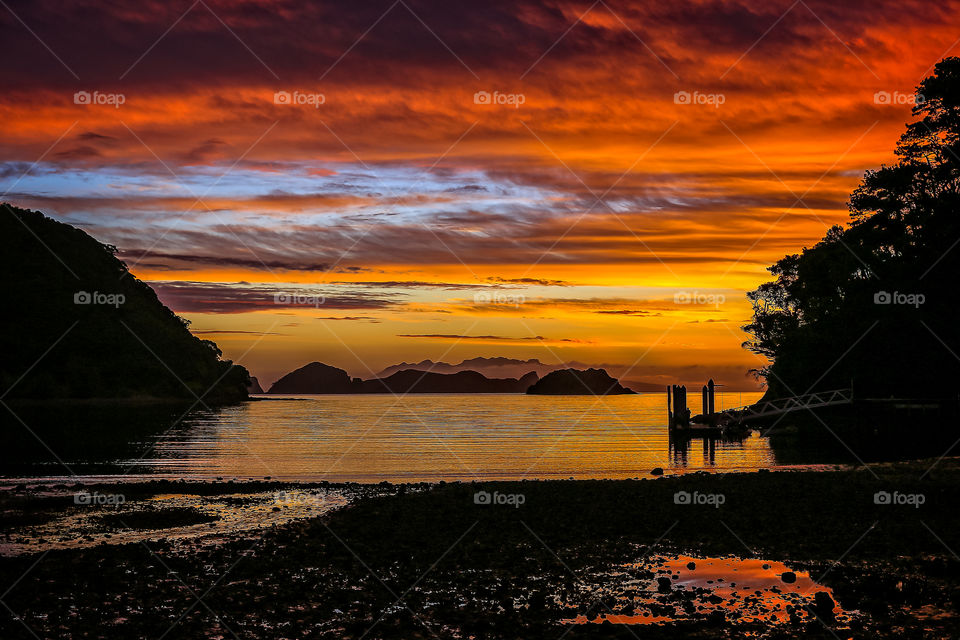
[(364, 183)]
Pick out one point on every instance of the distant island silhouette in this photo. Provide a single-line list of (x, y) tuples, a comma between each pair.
[(86, 328), (501, 367), (496, 367), (320, 378), (317, 377), (578, 382)]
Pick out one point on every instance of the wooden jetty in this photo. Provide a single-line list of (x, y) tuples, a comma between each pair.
[(712, 423), (679, 419), (869, 413)]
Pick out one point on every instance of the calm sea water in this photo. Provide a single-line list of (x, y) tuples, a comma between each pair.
[(369, 438), (432, 437)]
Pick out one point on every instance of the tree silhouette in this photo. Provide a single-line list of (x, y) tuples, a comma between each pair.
[(875, 303)]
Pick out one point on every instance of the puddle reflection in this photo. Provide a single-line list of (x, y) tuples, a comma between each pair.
[(731, 590)]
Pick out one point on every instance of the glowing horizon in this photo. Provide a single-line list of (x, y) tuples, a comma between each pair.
[(661, 158)]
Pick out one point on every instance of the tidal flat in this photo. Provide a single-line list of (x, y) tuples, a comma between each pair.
[(850, 553)]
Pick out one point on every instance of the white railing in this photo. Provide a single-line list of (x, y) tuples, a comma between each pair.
[(794, 403)]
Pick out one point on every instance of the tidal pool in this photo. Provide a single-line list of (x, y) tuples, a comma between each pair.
[(674, 588)]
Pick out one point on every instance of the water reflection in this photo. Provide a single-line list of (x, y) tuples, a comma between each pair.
[(442, 437), (680, 446), (369, 438)]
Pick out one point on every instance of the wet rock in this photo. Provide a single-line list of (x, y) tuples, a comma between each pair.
[(789, 577), (716, 618), (691, 566), (823, 605), (658, 471)]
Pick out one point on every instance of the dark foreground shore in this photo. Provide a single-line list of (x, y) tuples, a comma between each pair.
[(846, 554)]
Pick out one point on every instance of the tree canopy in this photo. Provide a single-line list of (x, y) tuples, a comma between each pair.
[(875, 303)]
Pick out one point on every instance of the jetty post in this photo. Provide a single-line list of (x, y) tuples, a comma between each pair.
[(669, 407), (680, 415)]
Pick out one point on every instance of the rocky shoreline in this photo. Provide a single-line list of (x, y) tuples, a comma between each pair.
[(850, 554)]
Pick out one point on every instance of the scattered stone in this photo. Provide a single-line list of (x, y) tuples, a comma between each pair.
[(823, 605), (663, 585), (789, 577), (657, 471)]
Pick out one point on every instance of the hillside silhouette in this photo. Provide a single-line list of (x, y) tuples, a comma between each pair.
[(79, 325), (875, 304)]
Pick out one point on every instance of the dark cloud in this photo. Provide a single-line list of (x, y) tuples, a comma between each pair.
[(207, 151), (16, 170), (92, 136), (627, 312), (218, 297), (167, 259), (541, 282), (81, 152), (411, 284), (236, 331), (452, 286), (262, 40), (454, 336)]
